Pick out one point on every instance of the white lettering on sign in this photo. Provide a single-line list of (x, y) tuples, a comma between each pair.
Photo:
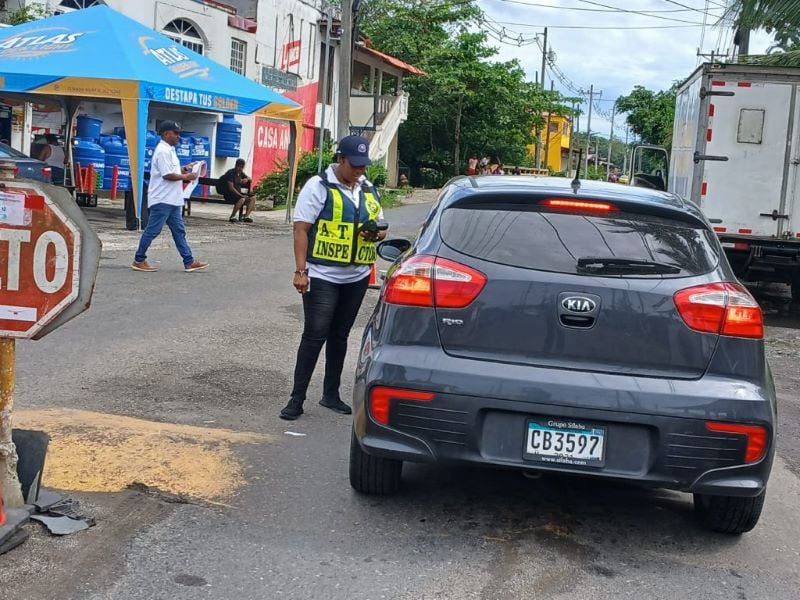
[(273, 137), (168, 56), (15, 238), (50, 286), (182, 96), (40, 40)]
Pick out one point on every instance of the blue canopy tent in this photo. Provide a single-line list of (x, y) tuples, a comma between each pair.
[(98, 53)]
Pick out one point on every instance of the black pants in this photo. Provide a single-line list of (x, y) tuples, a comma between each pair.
[(330, 310)]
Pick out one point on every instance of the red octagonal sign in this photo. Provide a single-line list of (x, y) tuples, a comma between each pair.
[(39, 262)]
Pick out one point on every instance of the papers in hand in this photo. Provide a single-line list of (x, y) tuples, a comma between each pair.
[(200, 169)]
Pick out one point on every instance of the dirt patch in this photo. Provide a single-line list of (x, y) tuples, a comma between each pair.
[(98, 452)]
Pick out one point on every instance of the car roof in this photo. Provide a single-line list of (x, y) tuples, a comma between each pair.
[(489, 185)]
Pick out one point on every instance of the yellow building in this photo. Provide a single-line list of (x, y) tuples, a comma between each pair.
[(556, 143)]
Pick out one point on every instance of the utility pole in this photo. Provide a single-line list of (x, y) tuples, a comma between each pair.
[(538, 158), (325, 75), (611, 141), (547, 131), (588, 131), (571, 139), (345, 68), (625, 168)]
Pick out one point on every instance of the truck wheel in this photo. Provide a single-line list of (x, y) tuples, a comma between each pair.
[(729, 514), (373, 474)]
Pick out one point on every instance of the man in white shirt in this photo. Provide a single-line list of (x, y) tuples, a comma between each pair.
[(165, 201), (337, 220)]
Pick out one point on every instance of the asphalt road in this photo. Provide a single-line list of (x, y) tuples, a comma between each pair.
[(193, 369)]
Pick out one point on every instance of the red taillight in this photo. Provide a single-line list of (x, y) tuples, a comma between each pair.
[(756, 438), (47, 171), (16, 171), (380, 400), (430, 281), (723, 308), (578, 205)]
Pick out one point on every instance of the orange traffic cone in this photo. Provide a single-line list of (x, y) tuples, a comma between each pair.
[(373, 277)]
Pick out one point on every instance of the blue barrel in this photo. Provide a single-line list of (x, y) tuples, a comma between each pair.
[(87, 152), (229, 137), (89, 127), (184, 148), (116, 156), (151, 141), (119, 132)]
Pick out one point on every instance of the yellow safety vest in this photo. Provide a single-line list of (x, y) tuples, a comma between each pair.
[(334, 238)]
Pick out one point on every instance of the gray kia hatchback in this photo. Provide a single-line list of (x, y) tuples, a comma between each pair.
[(581, 328)]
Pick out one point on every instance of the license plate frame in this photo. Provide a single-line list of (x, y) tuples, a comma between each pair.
[(564, 429)]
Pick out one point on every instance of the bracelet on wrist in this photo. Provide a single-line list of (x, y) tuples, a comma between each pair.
[(303, 272)]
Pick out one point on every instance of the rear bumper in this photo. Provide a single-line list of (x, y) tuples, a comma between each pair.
[(655, 428)]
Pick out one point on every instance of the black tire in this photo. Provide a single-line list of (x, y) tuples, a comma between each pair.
[(373, 474), (729, 514)]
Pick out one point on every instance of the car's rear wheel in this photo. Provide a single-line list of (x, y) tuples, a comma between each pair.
[(373, 474), (729, 514)]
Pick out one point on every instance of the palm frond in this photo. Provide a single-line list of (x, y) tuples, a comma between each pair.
[(790, 58), (754, 14)]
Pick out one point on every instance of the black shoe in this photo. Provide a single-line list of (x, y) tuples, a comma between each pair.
[(336, 405), (247, 220), (292, 410), (232, 220)]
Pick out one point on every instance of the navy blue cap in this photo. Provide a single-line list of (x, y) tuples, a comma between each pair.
[(168, 126), (355, 149)]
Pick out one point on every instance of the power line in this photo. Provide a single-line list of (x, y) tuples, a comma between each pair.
[(599, 27), (535, 4), (640, 13), (690, 8)]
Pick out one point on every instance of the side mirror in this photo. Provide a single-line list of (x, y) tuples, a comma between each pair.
[(391, 250)]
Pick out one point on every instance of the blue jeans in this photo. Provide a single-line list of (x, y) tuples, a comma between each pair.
[(171, 215)]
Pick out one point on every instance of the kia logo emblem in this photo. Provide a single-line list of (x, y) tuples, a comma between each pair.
[(578, 304)]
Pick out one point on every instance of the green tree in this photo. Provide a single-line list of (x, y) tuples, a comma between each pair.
[(467, 104), (781, 18), (24, 14), (650, 114)]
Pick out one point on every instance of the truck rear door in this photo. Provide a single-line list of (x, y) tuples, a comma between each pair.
[(752, 129)]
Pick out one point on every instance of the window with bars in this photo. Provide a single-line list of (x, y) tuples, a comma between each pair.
[(238, 56), (186, 34), (79, 4)]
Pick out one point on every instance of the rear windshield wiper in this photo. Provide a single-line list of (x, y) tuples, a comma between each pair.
[(611, 264)]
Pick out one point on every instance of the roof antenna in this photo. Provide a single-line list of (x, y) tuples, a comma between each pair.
[(576, 183)]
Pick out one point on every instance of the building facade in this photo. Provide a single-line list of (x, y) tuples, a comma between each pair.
[(555, 142), (278, 43)]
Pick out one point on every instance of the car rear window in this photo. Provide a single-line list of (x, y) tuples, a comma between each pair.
[(9, 152), (549, 241)]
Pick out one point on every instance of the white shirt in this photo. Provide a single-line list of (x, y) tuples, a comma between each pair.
[(162, 191), (310, 203), (56, 156)]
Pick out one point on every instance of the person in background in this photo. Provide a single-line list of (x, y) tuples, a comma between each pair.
[(230, 185), (335, 230), (498, 170), (53, 155), (165, 201), (472, 165)]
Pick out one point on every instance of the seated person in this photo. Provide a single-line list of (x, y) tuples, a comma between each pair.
[(230, 186)]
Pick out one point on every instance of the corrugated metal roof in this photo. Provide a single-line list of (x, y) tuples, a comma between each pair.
[(395, 62)]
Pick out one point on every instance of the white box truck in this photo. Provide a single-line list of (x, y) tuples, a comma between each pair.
[(736, 153)]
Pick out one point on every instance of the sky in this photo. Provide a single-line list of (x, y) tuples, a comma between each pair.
[(654, 50)]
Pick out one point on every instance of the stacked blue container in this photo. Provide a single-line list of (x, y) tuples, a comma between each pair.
[(86, 152), (229, 137), (116, 156)]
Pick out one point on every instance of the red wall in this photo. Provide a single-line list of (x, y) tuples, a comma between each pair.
[(271, 143)]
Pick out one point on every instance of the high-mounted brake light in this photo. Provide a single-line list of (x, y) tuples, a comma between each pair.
[(380, 400), (756, 438), (578, 205), (429, 281), (722, 308)]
